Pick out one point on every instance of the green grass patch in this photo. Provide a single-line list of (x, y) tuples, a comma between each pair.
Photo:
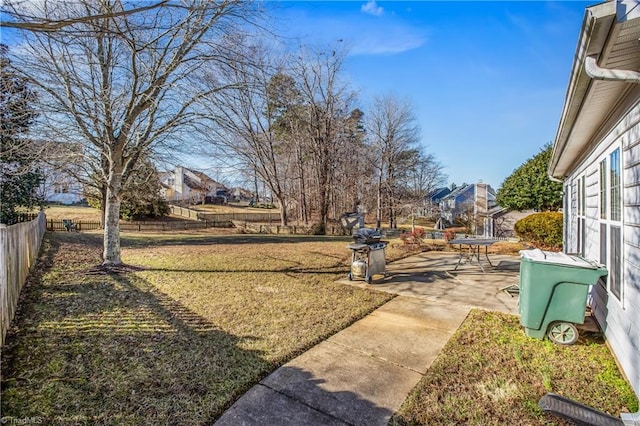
[(197, 322), (490, 373)]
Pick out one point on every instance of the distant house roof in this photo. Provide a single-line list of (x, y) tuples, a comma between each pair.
[(202, 182), (241, 192), (464, 188), (457, 191), (497, 211), (437, 194), (204, 178)]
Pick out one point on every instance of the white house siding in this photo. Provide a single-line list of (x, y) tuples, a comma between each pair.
[(592, 233), (619, 318), (572, 232)]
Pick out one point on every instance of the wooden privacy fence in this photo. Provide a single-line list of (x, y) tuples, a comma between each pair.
[(266, 217), (176, 225), (256, 228), (19, 246), (172, 225), (81, 225)]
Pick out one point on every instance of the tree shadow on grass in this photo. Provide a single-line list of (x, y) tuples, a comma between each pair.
[(295, 396), (112, 349), (131, 241)]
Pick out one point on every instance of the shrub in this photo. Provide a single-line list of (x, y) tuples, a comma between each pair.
[(543, 230), (414, 237), (449, 235), (318, 228)]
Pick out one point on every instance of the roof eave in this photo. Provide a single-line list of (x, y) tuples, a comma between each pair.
[(596, 26)]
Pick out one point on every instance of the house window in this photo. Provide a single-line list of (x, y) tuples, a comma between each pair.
[(581, 215), (615, 184), (616, 262), (610, 220), (603, 243), (603, 189)]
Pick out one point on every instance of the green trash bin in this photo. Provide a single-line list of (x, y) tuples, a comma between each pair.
[(553, 293)]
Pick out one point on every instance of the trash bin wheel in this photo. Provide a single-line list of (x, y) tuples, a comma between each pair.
[(349, 276), (368, 279), (563, 333)]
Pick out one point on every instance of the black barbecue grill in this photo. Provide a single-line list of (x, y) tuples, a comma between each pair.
[(367, 254)]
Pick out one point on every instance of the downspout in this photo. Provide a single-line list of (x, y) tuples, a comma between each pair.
[(594, 71)]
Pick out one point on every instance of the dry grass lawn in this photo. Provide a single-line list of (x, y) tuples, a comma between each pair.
[(200, 318), (490, 373), (175, 340), (75, 213)]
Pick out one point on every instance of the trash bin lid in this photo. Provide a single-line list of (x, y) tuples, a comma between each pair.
[(537, 255)]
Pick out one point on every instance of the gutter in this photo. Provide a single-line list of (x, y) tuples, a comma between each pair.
[(596, 26), (588, 24)]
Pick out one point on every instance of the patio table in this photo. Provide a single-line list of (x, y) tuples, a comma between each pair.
[(474, 245)]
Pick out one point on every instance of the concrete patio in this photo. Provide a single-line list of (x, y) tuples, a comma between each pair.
[(431, 276), (363, 374)]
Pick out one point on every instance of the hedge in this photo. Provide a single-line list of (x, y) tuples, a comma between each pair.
[(543, 230)]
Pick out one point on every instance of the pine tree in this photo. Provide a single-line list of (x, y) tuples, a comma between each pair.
[(529, 186), (19, 175)]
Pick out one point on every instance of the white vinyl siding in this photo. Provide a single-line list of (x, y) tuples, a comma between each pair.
[(613, 235)]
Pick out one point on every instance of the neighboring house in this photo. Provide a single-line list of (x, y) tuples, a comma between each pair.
[(596, 154), (471, 204), (431, 203), (60, 166), (189, 186), (503, 220), (240, 194)]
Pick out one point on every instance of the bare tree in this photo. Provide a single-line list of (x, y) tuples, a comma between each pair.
[(420, 176), (21, 17), (122, 85), (327, 104), (393, 131), (245, 119), (353, 167)]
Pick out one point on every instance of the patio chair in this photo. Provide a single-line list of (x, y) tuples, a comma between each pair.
[(69, 225)]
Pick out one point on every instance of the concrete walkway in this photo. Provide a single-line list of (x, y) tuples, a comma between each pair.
[(361, 375)]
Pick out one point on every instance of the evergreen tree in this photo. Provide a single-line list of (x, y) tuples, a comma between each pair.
[(141, 196), (19, 175), (529, 186)]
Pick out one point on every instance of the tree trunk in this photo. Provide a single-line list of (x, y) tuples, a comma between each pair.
[(255, 183), (284, 221), (304, 211), (379, 209), (111, 254), (103, 205)]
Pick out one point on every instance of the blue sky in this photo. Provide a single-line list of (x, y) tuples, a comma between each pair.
[(487, 79)]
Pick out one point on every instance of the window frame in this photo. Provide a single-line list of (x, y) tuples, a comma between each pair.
[(610, 218)]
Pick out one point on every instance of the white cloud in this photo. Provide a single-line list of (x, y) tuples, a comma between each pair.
[(372, 8), (360, 35), (381, 44)]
